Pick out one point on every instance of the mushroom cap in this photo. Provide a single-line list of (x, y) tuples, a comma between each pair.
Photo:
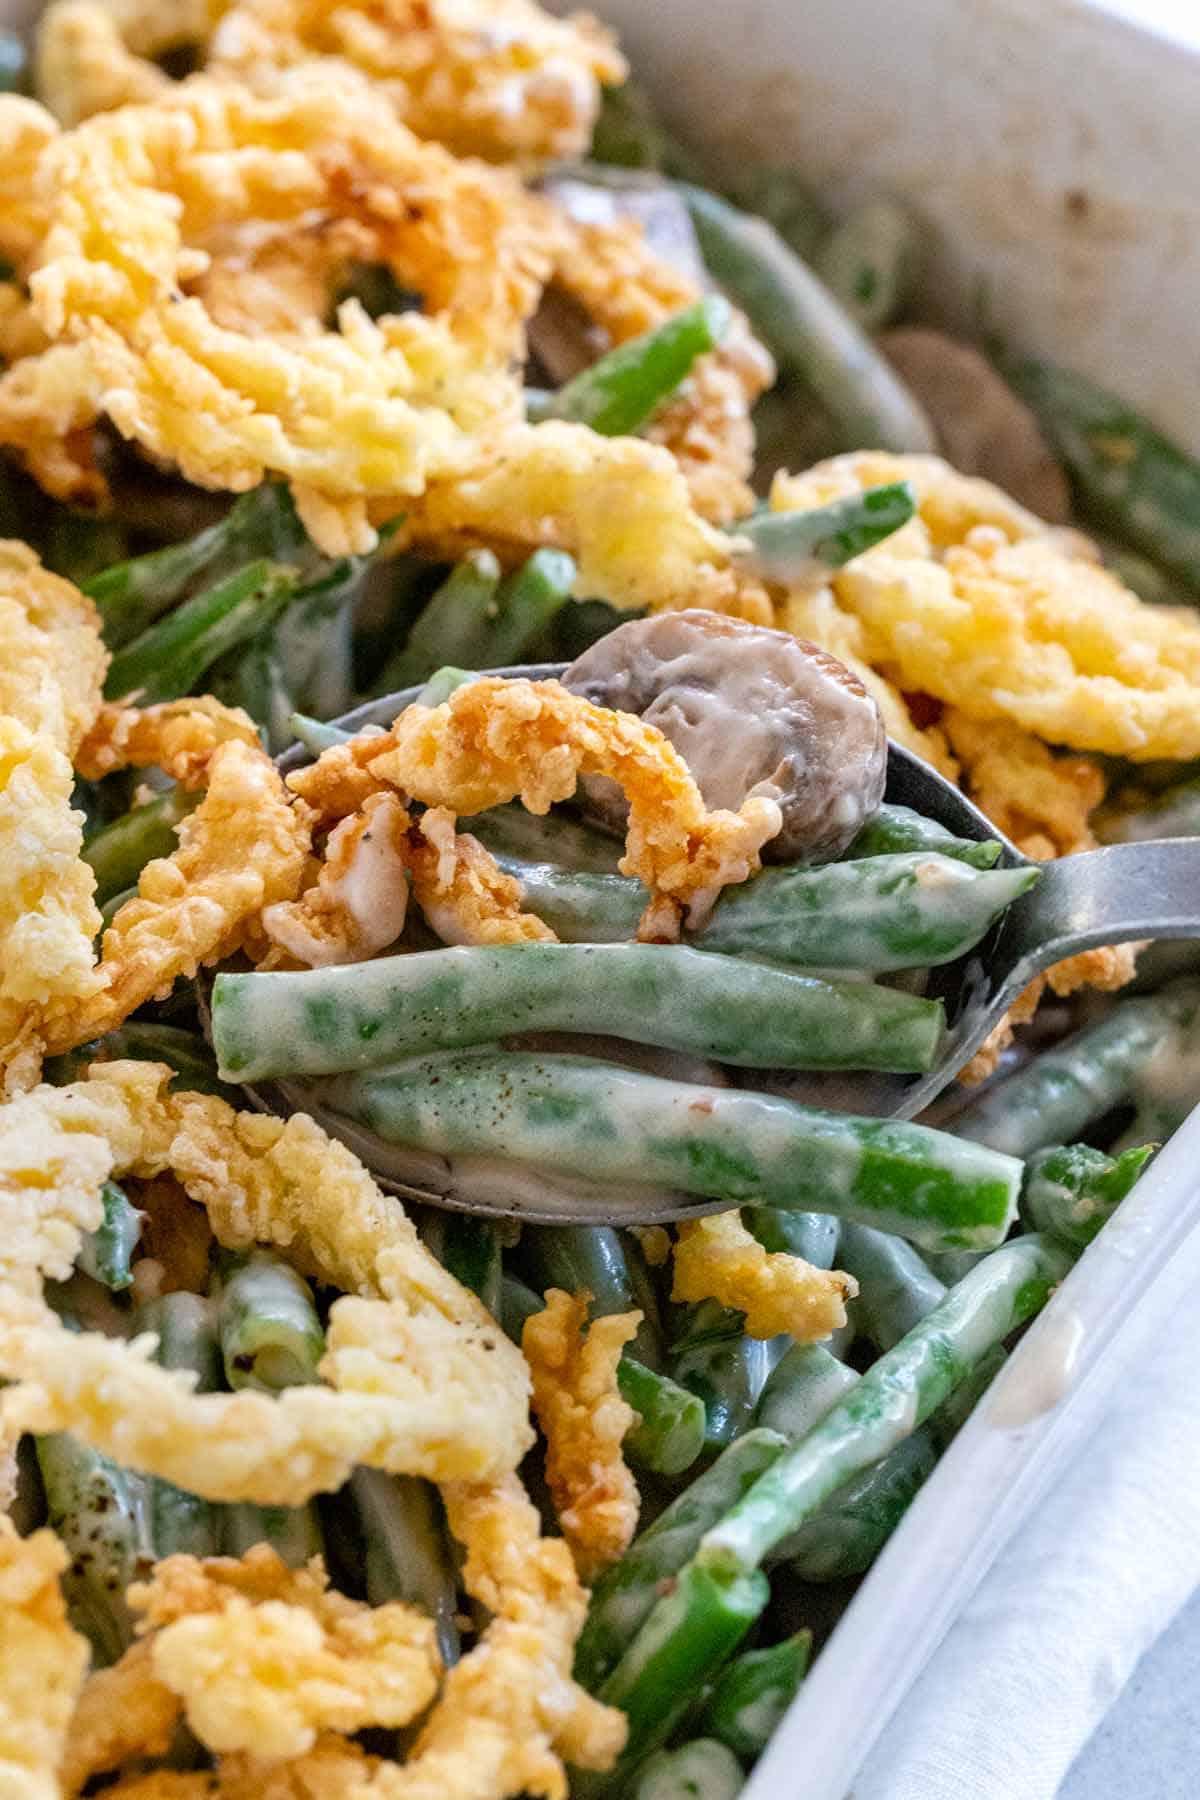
[(751, 711)]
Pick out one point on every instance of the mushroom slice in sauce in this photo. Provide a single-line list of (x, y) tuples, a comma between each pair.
[(751, 711)]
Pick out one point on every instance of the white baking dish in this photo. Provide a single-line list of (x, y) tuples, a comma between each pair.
[(1050, 147)]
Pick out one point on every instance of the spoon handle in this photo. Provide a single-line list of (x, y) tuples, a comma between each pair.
[(1109, 896)]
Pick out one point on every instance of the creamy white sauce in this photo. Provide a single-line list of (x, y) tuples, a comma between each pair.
[(1040, 1375)]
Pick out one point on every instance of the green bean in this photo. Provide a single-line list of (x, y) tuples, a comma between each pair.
[(914, 910), (293, 1532), (625, 1594), (1072, 1191), (669, 1434), (871, 262), (1074, 1083), (805, 327), (843, 1537), (100, 1512), (792, 546), (80, 545), (948, 1419), (14, 63), (896, 1288), (470, 1249), (525, 604), (895, 829), (131, 595), (406, 1555), (778, 194), (315, 735), (170, 657), (1148, 581), (630, 135), (313, 638), (1125, 475), (712, 1357), (614, 1125), (618, 394), (184, 1051), (270, 1335), (252, 677), (443, 682), (805, 1382), (686, 1640), (813, 1236), (105, 1254), (894, 1397), (701, 1770), (597, 1260), (452, 627), (754, 1691), (554, 839), (518, 1303), (186, 1328), (361, 1015), (119, 852)]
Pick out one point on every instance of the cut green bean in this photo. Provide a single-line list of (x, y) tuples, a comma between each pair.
[(293, 1532), (702, 1770), (754, 1691), (894, 1397), (362, 1015), (106, 1253), (686, 1641), (600, 1261), (452, 628), (525, 604), (315, 735), (669, 1434), (470, 1249), (808, 331), (184, 1051), (553, 838), (948, 1419), (612, 1124), (713, 1358), (100, 1512), (1072, 1191), (1126, 475), (1071, 1085), (262, 523), (625, 1594), (790, 547), (813, 1236), (843, 1537), (805, 1382), (405, 1550), (871, 262), (186, 1327), (618, 394), (918, 909), (629, 134), (896, 1287), (443, 682), (895, 829), (119, 852), (169, 658), (270, 1335)]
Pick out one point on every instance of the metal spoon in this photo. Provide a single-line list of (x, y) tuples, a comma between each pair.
[(1121, 893)]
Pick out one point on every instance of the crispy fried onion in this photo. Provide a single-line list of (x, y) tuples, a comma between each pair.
[(984, 606), (265, 1657), (177, 736), (627, 288), (52, 664), (138, 201), (717, 1258), (494, 741), (419, 1379), (42, 1663), (82, 66), (619, 505), (243, 848), (122, 1712), (494, 78), (583, 1418)]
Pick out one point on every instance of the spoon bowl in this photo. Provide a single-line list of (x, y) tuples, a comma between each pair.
[(1118, 894)]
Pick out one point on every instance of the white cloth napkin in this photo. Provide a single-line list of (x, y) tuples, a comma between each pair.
[(1054, 1632)]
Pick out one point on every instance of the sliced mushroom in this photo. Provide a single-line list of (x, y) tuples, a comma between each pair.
[(751, 711), (983, 428)]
